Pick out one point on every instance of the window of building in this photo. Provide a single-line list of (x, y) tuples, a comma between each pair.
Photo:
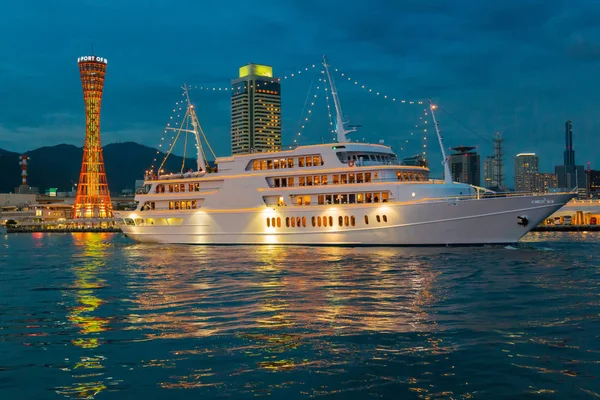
[(366, 219)]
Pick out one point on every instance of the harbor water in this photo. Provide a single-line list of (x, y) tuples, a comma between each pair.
[(95, 315)]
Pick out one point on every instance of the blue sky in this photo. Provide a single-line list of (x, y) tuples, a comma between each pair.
[(520, 67)]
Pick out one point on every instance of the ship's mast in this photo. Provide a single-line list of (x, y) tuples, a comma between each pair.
[(447, 175), (339, 121)]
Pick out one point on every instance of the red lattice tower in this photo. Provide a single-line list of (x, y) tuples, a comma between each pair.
[(93, 197)]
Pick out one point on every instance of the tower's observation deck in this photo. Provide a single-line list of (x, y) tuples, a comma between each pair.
[(93, 197)]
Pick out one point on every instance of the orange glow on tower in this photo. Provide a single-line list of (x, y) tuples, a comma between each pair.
[(93, 197)]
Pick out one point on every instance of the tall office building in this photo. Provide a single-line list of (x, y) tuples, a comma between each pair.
[(489, 173), (570, 175), (593, 183), (465, 166), (526, 168), (255, 111), (543, 182)]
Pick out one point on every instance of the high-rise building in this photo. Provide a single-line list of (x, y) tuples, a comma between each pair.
[(593, 183), (498, 162), (489, 173), (93, 198), (255, 111), (526, 167), (570, 175), (544, 181), (465, 166)]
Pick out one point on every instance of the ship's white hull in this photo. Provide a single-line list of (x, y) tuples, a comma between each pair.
[(496, 220)]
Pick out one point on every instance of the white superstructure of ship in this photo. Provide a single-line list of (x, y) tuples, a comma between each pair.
[(341, 193)]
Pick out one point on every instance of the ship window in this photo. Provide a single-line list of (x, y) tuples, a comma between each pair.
[(268, 222), (352, 198), (280, 201), (317, 180), (378, 218), (269, 164), (287, 221), (321, 199), (197, 187), (309, 162), (304, 222), (291, 181), (376, 197), (385, 196), (290, 163), (324, 180), (170, 188), (385, 218), (325, 221), (306, 200), (278, 222), (352, 220), (330, 221), (346, 220), (188, 205), (318, 221), (276, 164), (276, 182), (336, 199), (328, 199), (161, 221), (359, 178), (314, 221), (174, 221), (317, 160), (341, 220), (336, 179), (299, 200), (293, 222), (263, 164), (182, 187), (273, 222), (298, 222), (367, 177), (256, 165), (360, 198), (139, 221), (399, 176), (171, 205), (351, 178), (302, 181), (344, 179), (283, 182), (301, 161), (177, 205), (309, 180), (344, 199), (366, 219), (191, 187), (369, 198), (193, 203)]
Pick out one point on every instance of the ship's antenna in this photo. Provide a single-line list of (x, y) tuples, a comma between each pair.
[(340, 126), (195, 126), (447, 175)]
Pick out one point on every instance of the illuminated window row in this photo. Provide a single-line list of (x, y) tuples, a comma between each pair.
[(319, 180), (309, 161), (411, 176), (178, 187), (346, 220), (377, 217), (183, 205)]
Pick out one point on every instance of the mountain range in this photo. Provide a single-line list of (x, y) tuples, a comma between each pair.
[(59, 166)]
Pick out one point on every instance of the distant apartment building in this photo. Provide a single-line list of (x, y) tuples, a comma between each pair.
[(593, 183), (255, 111), (544, 182), (490, 173), (465, 166), (526, 168)]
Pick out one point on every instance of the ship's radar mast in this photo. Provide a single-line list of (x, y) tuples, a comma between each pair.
[(340, 125)]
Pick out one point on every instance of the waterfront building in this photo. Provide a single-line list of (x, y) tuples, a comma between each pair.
[(544, 182), (489, 173), (255, 111), (593, 183), (526, 168), (570, 175), (465, 166), (93, 197)]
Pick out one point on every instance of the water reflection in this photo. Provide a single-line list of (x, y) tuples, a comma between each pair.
[(88, 371)]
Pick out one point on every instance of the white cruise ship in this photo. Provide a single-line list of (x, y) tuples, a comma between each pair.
[(341, 193)]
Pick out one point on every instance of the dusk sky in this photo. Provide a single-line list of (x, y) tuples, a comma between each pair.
[(519, 67)]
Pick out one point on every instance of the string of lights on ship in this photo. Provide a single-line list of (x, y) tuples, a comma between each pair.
[(321, 88)]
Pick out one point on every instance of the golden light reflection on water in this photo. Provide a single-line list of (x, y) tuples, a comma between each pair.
[(88, 371)]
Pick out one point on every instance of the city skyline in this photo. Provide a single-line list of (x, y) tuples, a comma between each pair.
[(520, 69)]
